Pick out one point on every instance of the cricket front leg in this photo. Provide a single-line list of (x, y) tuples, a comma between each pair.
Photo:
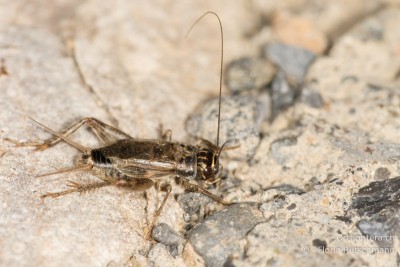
[(196, 188), (104, 132), (164, 187)]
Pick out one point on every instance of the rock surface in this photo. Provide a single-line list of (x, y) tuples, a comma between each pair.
[(317, 185)]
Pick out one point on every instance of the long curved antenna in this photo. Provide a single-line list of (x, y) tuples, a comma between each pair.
[(222, 61), (223, 147)]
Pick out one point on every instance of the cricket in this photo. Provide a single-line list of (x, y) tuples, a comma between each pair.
[(139, 164)]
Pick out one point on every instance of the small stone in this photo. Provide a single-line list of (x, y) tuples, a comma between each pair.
[(321, 244), (164, 234), (192, 203), (247, 73), (276, 152), (380, 232), (291, 206), (282, 95), (221, 235), (311, 97), (241, 118), (293, 61), (381, 173)]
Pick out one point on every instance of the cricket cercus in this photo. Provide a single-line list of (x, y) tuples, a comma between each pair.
[(138, 164)]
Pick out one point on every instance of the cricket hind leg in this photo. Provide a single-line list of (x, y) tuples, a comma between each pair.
[(104, 132), (133, 184), (164, 187), (77, 187)]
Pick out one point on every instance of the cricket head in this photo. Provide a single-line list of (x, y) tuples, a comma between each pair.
[(208, 167)]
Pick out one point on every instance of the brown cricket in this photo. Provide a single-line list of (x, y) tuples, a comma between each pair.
[(138, 164)]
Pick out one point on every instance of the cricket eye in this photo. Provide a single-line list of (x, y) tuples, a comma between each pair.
[(210, 172)]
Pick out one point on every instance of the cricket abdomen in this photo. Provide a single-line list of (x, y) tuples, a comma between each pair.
[(99, 158)]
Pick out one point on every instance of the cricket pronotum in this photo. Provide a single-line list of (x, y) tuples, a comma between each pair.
[(138, 164)]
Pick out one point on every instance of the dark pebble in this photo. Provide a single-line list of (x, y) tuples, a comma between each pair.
[(321, 244), (377, 196)]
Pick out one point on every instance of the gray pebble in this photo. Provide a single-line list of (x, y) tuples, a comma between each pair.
[(164, 234), (193, 203), (217, 238), (293, 61), (311, 97), (279, 156), (380, 232), (381, 173), (241, 118), (248, 73), (282, 94)]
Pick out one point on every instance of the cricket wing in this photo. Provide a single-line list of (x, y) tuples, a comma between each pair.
[(148, 171)]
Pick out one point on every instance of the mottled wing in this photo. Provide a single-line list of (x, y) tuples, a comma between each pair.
[(137, 168)]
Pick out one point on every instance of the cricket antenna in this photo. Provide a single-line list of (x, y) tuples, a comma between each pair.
[(222, 61)]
